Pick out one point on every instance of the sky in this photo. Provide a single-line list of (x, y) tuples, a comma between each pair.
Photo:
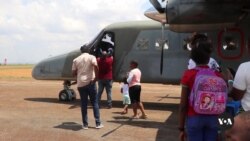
[(33, 30)]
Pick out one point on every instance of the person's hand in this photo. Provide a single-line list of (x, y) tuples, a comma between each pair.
[(182, 136), (93, 81), (229, 74)]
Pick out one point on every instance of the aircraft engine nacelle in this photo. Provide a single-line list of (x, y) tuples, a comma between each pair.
[(205, 11)]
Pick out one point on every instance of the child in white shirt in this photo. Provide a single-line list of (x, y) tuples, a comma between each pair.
[(125, 93)]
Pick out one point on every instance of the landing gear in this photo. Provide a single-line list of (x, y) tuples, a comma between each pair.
[(67, 94)]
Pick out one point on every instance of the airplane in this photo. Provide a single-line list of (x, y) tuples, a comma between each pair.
[(133, 40), (161, 44)]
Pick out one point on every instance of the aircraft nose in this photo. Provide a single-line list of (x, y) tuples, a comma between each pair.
[(55, 68), (38, 70), (48, 69)]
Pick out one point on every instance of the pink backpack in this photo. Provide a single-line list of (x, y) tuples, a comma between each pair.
[(209, 93)]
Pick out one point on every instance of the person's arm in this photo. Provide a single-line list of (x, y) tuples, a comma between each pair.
[(74, 73), (183, 111), (239, 83), (74, 70), (96, 69), (236, 94), (130, 77)]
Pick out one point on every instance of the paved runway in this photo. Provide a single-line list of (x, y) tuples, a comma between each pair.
[(30, 111)]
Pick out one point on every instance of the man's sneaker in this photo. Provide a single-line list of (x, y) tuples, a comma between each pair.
[(85, 127), (99, 126)]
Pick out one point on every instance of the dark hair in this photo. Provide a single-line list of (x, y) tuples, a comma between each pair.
[(124, 80), (84, 49), (196, 39), (134, 63), (201, 52)]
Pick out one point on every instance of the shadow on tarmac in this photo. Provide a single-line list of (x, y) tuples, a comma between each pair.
[(166, 130), (69, 126)]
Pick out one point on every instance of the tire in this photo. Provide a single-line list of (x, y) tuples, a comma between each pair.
[(63, 95), (73, 94)]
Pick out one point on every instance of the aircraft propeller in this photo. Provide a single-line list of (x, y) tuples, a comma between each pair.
[(157, 6)]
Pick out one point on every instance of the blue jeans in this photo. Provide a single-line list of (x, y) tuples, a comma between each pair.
[(85, 92), (107, 84), (202, 128)]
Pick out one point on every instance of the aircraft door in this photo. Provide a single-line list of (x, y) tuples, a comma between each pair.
[(106, 43)]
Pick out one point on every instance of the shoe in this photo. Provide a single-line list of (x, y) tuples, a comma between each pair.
[(85, 127), (99, 126), (109, 107), (144, 116)]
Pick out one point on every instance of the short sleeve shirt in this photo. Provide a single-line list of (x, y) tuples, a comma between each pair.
[(84, 64), (212, 64), (105, 68), (134, 77), (242, 82)]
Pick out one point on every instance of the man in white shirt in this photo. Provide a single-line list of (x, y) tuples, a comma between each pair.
[(241, 86), (85, 68)]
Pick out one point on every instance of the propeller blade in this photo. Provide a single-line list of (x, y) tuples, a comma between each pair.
[(157, 6)]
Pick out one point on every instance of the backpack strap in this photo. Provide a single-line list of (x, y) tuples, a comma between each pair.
[(204, 71)]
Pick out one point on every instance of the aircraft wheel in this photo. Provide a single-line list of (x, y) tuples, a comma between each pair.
[(63, 95), (73, 94)]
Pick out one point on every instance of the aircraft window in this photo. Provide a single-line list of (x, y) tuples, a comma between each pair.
[(143, 44), (229, 44), (187, 47), (187, 44), (160, 42)]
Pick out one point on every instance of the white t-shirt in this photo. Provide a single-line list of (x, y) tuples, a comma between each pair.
[(125, 89), (212, 64), (242, 82)]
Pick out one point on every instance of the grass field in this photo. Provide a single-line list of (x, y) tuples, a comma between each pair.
[(15, 72)]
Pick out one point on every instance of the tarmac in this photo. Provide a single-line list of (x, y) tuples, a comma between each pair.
[(30, 111)]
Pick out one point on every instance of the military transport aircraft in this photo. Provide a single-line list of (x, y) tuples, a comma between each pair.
[(161, 48), (135, 40)]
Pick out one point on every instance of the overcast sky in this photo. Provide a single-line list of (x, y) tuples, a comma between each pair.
[(32, 30)]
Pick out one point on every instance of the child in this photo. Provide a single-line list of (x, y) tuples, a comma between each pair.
[(199, 127), (125, 93)]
